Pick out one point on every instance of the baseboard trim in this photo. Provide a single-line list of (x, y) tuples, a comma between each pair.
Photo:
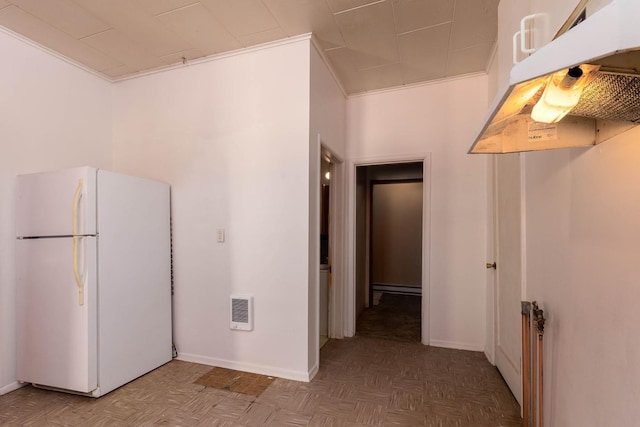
[(489, 357), (11, 387), (313, 371), (456, 345), (393, 288), (249, 367)]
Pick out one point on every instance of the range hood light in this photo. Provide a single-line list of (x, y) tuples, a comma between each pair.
[(598, 105), (561, 94)]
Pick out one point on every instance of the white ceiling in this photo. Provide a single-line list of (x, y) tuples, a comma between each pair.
[(371, 44)]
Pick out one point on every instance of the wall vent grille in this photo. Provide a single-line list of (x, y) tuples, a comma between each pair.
[(241, 312)]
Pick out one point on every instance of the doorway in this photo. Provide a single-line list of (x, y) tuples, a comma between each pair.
[(389, 255), (325, 245), (328, 306)]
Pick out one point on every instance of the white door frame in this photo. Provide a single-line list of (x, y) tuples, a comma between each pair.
[(337, 236), (350, 283), (336, 244)]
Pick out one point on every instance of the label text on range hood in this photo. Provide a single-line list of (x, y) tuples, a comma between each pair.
[(542, 131)]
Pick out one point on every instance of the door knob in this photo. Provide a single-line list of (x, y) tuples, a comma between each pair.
[(489, 265)]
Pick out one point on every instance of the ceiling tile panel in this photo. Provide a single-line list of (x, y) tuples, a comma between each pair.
[(340, 5), (424, 53), (370, 32), (138, 25), (201, 29), (242, 17), (64, 15), (117, 45), (263, 37), (306, 16), (470, 60), (179, 57), (40, 32), (422, 46), (370, 44), (382, 77), (156, 7), (415, 14), (342, 62), (474, 22)]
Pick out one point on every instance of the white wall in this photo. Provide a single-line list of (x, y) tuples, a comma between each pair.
[(231, 136), (396, 233), (441, 119), (328, 107), (327, 126), (52, 115), (583, 247)]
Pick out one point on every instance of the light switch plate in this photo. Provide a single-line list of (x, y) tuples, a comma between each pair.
[(220, 237)]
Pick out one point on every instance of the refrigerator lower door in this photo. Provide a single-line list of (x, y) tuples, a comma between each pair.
[(56, 324)]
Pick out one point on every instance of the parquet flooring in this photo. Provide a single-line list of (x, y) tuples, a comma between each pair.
[(362, 382), (395, 317)]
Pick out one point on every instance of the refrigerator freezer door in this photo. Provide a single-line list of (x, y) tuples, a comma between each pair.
[(48, 204), (56, 336)]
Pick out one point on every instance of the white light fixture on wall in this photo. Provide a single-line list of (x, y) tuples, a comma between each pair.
[(327, 175)]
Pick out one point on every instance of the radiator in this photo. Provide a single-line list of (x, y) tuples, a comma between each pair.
[(532, 365)]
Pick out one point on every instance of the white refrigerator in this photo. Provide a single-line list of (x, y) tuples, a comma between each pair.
[(93, 277)]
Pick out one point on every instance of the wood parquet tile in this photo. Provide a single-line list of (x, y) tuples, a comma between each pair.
[(395, 317), (362, 382)]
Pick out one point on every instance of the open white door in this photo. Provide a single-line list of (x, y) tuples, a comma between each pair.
[(508, 291)]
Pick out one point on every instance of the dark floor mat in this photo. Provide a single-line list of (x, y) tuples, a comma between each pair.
[(396, 317), (240, 382)]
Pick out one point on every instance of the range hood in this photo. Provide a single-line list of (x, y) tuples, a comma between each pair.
[(606, 48)]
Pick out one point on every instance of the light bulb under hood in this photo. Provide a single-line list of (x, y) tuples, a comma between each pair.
[(561, 94)]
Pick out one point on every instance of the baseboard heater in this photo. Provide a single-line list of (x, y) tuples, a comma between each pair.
[(532, 365), (397, 289)]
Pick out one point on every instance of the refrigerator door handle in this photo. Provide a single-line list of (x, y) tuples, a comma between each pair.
[(74, 225), (76, 204), (76, 271)]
